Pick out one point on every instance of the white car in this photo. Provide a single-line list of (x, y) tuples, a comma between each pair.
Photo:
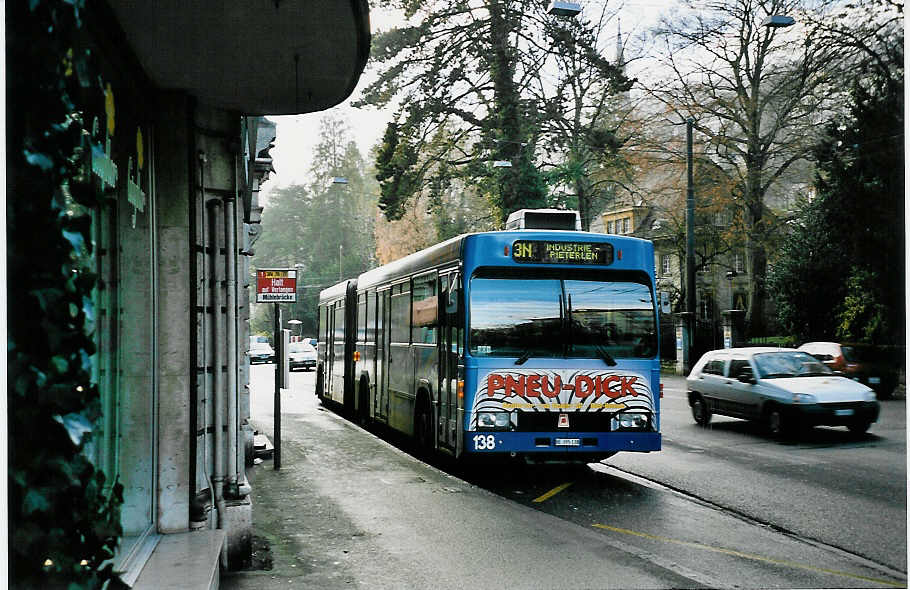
[(301, 355), (261, 352), (783, 387)]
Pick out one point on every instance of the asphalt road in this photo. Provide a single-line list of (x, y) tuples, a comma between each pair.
[(828, 485), (721, 507)]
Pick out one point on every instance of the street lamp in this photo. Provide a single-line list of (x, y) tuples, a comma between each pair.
[(297, 323), (564, 8), (778, 21)]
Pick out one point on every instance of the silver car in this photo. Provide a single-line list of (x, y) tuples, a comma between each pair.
[(301, 355), (787, 389)]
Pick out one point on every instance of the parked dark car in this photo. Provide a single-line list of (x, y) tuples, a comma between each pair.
[(870, 365), (785, 388)]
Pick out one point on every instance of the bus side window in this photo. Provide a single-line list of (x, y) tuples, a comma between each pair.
[(371, 317), (400, 315), (424, 310), (455, 290), (452, 294), (361, 317)]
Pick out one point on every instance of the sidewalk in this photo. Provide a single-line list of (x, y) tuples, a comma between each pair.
[(348, 510)]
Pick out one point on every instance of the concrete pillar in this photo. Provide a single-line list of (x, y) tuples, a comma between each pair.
[(684, 325), (175, 302), (733, 323)]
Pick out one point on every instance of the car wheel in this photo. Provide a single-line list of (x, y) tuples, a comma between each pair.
[(859, 427), (777, 422), (700, 411)]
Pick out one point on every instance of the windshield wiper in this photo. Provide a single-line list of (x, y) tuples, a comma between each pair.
[(524, 357), (773, 375), (611, 362)]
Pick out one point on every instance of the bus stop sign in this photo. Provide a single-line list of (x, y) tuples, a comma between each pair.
[(276, 285)]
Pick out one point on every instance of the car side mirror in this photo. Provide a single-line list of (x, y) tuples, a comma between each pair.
[(746, 376)]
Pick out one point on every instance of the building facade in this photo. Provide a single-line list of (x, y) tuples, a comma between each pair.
[(176, 145)]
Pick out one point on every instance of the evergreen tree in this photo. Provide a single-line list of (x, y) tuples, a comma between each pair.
[(324, 229), (847, 254), (469, 77)]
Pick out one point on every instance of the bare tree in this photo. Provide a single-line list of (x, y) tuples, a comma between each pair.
[(758, 94)]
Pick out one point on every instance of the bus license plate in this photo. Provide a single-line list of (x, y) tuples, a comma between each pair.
[(843, 412), (568, 442)]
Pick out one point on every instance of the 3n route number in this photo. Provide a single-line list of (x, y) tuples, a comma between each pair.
[(484, 442)]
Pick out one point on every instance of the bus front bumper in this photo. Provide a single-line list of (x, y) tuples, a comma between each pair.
[(494, 442)]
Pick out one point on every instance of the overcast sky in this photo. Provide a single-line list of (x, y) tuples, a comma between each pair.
[(297, 134)]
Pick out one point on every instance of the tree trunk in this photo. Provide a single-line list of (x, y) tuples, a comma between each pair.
[(584, 205), (756, 257)]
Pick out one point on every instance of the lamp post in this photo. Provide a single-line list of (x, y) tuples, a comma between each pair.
[(297, 323), (731, 274)]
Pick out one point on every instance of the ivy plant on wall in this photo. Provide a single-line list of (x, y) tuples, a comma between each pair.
[(64, 525)]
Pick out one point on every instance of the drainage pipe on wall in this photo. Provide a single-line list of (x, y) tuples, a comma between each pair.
[(207, 412), (231, 337), (217, 361)]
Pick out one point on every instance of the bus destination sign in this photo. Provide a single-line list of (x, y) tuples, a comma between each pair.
[(547, 252)]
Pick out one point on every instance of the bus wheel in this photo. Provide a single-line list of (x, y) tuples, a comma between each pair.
[(319, 382), (423, 430), (363, 401)]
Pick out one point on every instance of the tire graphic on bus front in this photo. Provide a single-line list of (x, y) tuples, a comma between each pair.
[(563, 391)]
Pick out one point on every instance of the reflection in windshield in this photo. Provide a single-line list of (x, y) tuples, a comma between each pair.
[(556, 317), (788, 364)]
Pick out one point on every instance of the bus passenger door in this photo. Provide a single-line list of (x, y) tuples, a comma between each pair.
[(448, 360), (329, 349), (381, 409)]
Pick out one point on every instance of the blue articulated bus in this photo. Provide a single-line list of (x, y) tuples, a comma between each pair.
[(534, 343)]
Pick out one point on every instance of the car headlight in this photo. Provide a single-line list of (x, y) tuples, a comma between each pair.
[(870, 396), (804, 398), (630, 421), (492, 419)]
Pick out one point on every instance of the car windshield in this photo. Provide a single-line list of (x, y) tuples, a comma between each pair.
[(561, 314), (260, 346), (771, 365)]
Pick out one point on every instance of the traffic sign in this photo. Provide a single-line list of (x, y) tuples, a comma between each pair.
[(276, 285)]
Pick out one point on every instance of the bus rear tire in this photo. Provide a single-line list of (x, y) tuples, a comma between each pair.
[(423, 427), (363, 401), (320, 382)]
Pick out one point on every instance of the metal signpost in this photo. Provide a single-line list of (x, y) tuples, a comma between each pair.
[(277, 285)]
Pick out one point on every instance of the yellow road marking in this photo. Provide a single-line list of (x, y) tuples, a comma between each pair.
[(552, 492), (750, 556)]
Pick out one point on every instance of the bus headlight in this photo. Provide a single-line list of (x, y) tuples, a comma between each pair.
[(630, 421), (492, 419)]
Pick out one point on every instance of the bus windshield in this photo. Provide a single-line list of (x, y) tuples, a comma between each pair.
[(561, 314)]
